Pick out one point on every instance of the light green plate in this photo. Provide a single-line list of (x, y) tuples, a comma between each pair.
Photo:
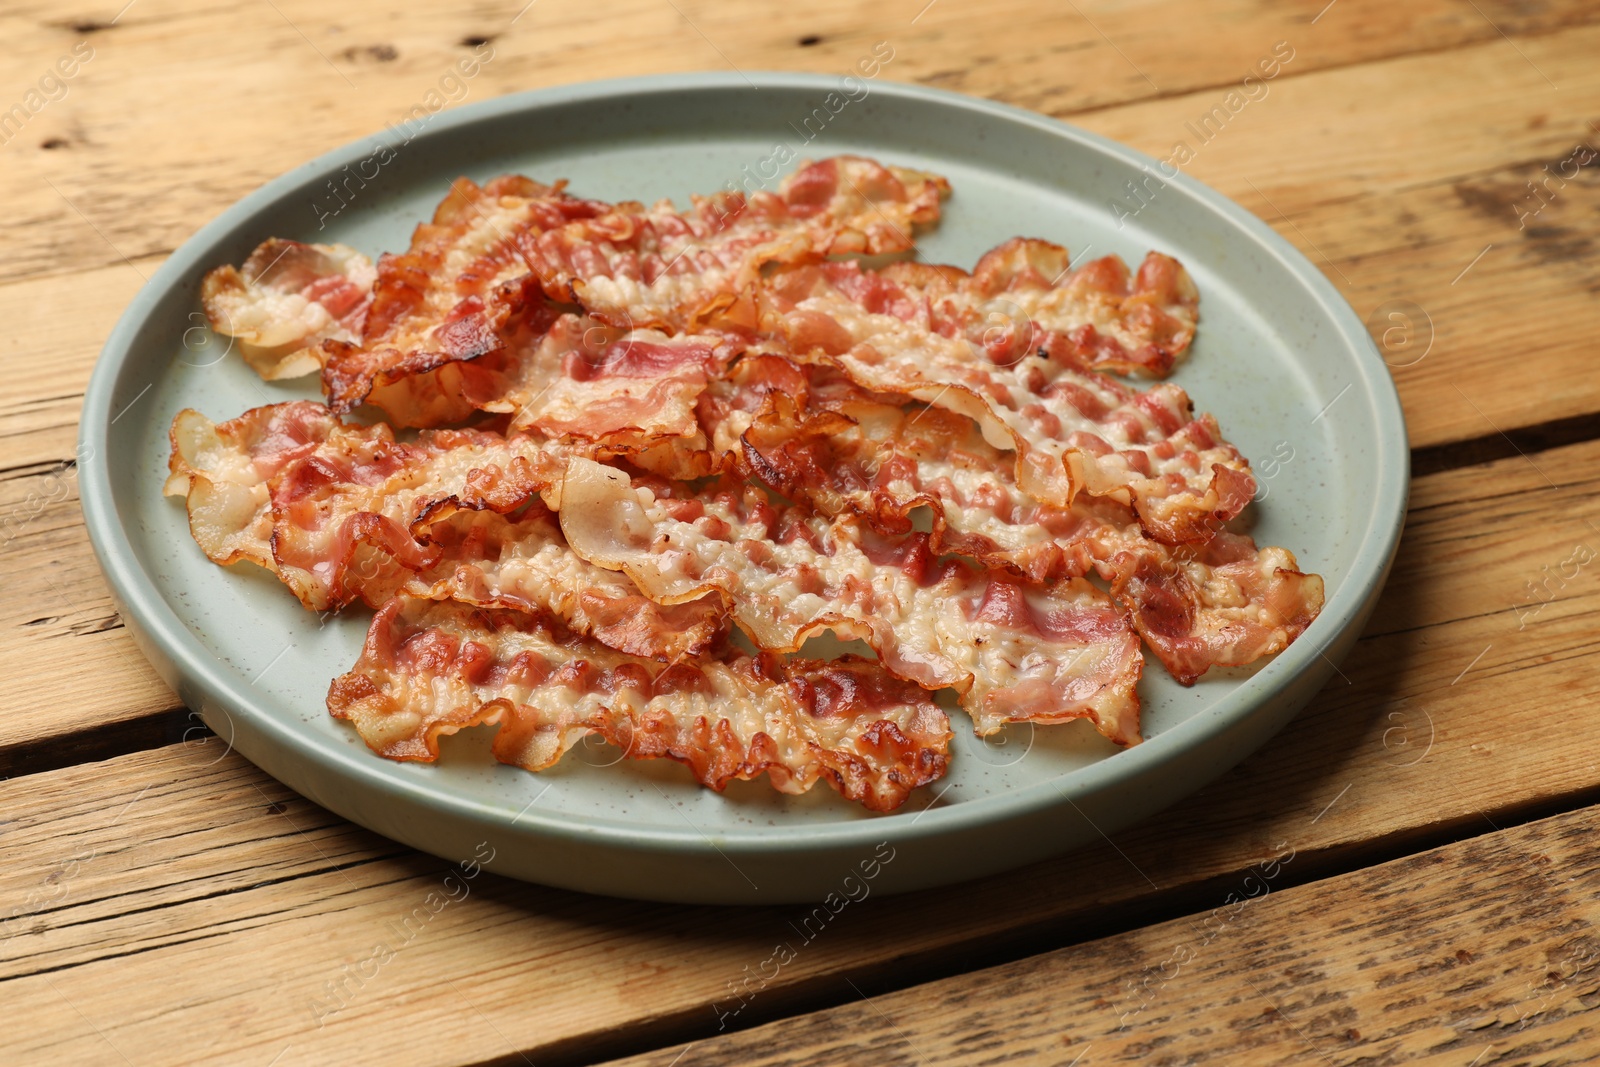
[(1281, 360)]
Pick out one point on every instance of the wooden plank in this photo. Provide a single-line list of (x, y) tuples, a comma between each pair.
[(58, 616), (92, 180), (202, 911), (1385, 964), (1411, 264), (1316, 127), (62, 645), (54, 328)]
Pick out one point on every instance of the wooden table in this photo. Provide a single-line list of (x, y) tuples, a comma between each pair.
[(1408, 871)]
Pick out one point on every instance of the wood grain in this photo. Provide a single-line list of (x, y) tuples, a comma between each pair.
[(208, 912), (53, 329), (172, 120), (58, 619), (1387, 964)]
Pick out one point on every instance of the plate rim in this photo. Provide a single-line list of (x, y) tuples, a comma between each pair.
[(137, 592)]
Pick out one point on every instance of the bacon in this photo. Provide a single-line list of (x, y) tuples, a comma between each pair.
[(444, 311), (342, 513), (305, 473), (1221, 602), (1023, 298), (431, 668), (1038, 654), (488, 560), (441, 326), (585, 380), (864, 206), (285, 300), (1225, 603), (723, 411), (464, 366), (222, 471), (1072, 430), (453, 315), (955, 466), (659, 267), (882, 461)]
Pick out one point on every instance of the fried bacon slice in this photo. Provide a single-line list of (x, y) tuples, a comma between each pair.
[(1219, 602), (431, 668), (444, 311), (419, 334), (586, 380), (659, 267), (1072, 430), (860, 206), (452, 316), (464, 365), (342, 513), (222, 470), (293, 488), (1024, 297), (1046, 654), (286, 299), (489, 560)]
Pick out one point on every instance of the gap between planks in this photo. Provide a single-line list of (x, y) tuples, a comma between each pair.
[(1012, 947), (1373, 966)]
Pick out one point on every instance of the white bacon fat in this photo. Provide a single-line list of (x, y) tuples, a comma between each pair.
[(222, 472), (286, 299), (431, 668)]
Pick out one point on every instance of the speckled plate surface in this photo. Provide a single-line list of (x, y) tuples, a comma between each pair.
[(1281, 359)]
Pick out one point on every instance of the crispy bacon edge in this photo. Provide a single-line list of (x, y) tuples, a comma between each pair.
[(466, 658)]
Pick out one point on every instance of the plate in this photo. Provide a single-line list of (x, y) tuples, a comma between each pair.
[(1281, 359)]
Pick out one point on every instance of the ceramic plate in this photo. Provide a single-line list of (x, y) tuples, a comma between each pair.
[(1281, 359)]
